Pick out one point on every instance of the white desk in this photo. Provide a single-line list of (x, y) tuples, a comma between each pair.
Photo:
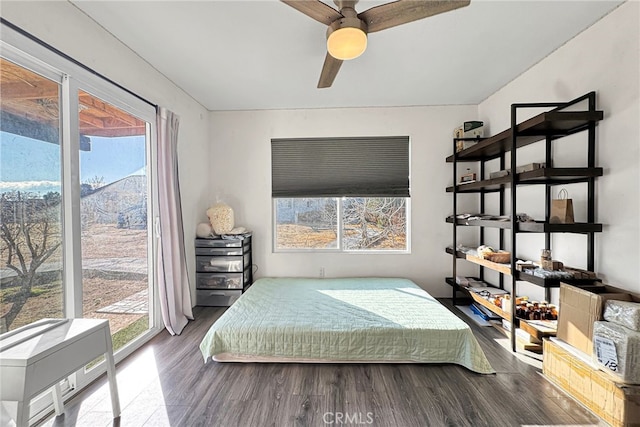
[(37, 357)]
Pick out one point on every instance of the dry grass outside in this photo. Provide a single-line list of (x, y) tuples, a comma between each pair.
[(99, 293), (109, 241), (99, 241), (46, 301), (393, 242), (295, 236)]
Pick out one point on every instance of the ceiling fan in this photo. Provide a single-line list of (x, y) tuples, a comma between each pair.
[(347, 30)]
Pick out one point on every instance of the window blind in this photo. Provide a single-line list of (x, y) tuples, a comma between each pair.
[(340, 167)]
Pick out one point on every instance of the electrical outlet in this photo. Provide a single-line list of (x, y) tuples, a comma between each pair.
[(322, 272)]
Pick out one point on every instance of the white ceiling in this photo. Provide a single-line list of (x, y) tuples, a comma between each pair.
[(243, 55)]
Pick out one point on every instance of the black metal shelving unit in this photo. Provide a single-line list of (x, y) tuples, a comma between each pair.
[(561, 120)]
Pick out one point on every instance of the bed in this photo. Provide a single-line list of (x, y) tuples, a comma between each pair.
[(346, 320)]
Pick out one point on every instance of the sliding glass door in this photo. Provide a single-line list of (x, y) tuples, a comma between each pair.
[(76, 200), (30, 197), (114, 215)]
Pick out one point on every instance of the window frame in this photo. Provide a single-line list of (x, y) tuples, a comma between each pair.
[(340, 232)]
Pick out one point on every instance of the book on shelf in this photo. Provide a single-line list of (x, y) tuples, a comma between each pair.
[(484, 289), (483, 312)]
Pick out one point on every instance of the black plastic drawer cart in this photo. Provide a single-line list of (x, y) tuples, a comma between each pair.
[(223, 269)]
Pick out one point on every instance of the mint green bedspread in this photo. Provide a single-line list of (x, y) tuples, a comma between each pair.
[(347, 319)]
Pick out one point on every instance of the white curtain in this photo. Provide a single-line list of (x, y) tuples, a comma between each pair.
[(173, 282)]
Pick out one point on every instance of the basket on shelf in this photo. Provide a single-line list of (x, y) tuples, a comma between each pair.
[(502, 257)]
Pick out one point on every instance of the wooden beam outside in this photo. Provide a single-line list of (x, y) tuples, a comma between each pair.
[(20, 90), (110, 133), (93, 102)]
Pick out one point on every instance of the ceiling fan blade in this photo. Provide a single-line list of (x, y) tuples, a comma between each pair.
[(315, 9), (403, 11), (330, 69)]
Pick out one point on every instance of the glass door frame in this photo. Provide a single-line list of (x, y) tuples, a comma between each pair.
[(105, 92), (43, 60)]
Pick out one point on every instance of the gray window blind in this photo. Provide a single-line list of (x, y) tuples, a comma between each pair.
[(338, 167)]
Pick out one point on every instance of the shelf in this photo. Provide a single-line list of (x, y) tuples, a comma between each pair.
[(553, 283), (502, 268), (561, 119), (533, 329), (531, 227), (530, 327), (545, 227), (451, 282), (489, 306), (538, 331), (553, 124), (477, 298), (549, 176), (481, 223), (495, 266), (506, 269)]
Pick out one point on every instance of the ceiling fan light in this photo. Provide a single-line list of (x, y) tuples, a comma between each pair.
[(347, 43)]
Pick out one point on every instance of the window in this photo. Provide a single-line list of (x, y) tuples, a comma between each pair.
[(30, 208), (350, 224), (341, 194), (111, 160), (76, 200), (374, 223), (306, 223)]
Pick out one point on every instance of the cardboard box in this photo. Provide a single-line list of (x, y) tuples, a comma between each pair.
[(617, 404), (579, 308)]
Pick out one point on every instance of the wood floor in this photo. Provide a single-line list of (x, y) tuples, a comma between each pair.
[(166, 383)]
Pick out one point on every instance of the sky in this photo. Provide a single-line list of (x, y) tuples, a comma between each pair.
[(30, 165)]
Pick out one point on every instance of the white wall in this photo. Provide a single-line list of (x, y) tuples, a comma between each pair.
[(604, 58), (64, 27), (241, 174), (227, 153)]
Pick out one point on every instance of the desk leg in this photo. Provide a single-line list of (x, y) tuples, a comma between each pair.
[(111, 375), (57, 399)]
